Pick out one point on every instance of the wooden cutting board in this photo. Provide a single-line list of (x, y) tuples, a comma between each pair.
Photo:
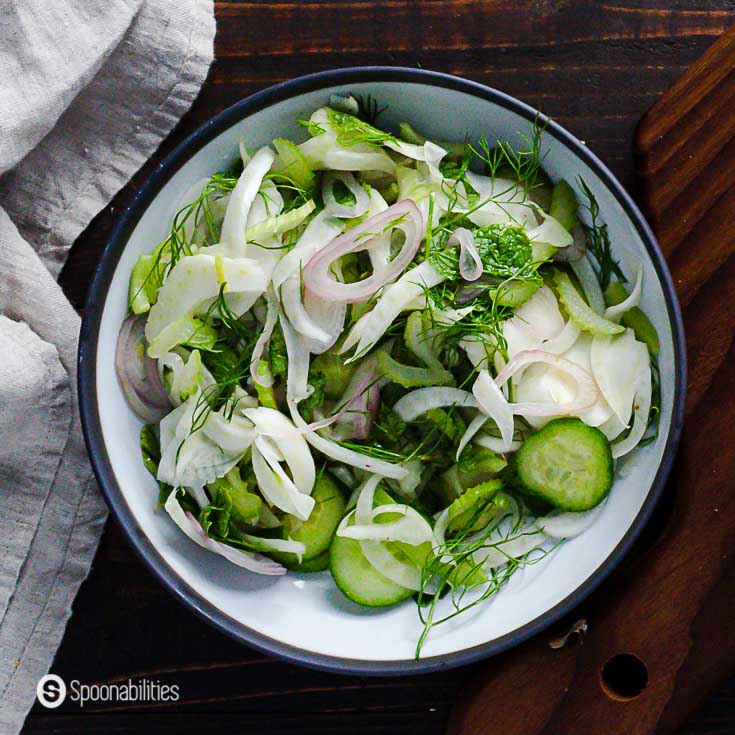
[(661, 630)]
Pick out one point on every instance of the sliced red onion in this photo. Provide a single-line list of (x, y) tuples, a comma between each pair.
[(587, 391), (362, 397), (191, 527), (271, 318), (332, 206), (316, 275), (138, 373), (470, 264)]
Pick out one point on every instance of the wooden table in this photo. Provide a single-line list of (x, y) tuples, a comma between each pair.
[(595, 67)]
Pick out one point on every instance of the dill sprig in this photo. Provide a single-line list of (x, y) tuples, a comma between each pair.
[(524, 162), (452, 569), (236, 338), (368, 108), (598, 240)]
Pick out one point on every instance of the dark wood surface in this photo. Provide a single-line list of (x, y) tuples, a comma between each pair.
[(596, 68)]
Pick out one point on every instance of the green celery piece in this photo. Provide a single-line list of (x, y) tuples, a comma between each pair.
[(477, 507), (143, 284), (564, 205), (150, 448), (451, 426), (634, 318), (579, 312), (418, 336), (455, 151), (336, 374), (280, 223), (192, 376), (409, 376), (266, 394), (292, 164), (185, 331)]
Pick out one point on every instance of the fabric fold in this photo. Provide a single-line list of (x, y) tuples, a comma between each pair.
[(89, 90)]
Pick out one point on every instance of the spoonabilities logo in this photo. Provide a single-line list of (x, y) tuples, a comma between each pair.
[(51, 691)]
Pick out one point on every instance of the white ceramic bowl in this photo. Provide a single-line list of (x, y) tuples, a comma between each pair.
[(304, 618)]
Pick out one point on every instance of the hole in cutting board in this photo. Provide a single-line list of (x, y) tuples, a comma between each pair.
[(624, 677)]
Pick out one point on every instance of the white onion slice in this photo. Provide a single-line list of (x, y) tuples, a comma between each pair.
[(332, 206), (271, 318), (495, 405), (297, 315), (316, 274), (276, 486), (347, 456), (297, 378), (641, 411), (587, 391), (617, 362), (550, 232), (560, 524), (470, 264), (613, 313), (412, 528), (418, 402), (526, 539), (329, 315), (475, 425), (496, 444), (564, 340), (386, 563), (232, 236), (191, 527), (289, 445)]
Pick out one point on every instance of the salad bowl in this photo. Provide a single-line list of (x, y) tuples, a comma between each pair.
[(302, 617)]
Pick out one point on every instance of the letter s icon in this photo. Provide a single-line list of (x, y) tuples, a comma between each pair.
[(51, 691)]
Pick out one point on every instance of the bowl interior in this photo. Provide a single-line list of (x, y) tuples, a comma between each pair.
[(305, 616)]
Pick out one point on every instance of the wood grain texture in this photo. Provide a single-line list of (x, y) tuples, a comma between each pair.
[(673, 602), (596, 67)]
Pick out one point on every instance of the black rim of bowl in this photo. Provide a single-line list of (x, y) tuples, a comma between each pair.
[(88, 358)]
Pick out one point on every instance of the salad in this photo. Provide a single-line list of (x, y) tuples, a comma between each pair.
[(412, 363)]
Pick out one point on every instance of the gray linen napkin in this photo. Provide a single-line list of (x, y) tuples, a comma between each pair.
[(88, 89)]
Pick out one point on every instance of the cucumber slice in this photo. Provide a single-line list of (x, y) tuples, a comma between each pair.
[(317, 564), (564, 205), (315, 533), (568, 464), (357, 579)]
